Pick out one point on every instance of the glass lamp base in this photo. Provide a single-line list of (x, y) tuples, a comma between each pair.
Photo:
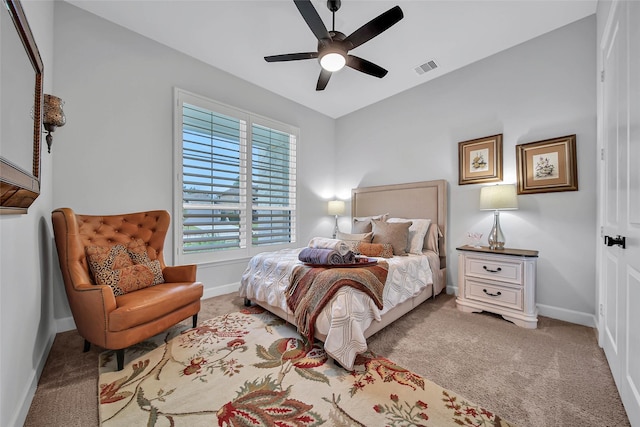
[(496, 238)]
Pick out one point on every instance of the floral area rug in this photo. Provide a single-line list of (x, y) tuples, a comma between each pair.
[(253, 369)]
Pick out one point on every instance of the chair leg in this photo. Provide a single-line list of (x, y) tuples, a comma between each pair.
[(195, 320), (87, 346), (120, 359)]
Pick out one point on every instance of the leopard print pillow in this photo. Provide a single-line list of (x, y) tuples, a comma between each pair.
[(115, 266)]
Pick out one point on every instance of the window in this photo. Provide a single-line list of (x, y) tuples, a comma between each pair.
[(237, 181)]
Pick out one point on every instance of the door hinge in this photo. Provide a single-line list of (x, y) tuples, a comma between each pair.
[(602, 154), (601, 231), (601, 310), (602, 76)]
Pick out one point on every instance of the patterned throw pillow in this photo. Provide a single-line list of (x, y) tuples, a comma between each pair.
[(384, 250), (138, 252), (113, 267), (123, 269)]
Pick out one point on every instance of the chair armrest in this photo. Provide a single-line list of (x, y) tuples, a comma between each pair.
[(90, 305), (96, 293), (180, 273)]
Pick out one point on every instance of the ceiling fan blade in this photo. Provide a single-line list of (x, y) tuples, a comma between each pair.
[(313, 20), (323, 79), (374, 27), (291, 57), (365, 66)]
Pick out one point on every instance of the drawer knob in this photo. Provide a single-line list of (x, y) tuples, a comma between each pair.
[(492, 271), (492, 295)]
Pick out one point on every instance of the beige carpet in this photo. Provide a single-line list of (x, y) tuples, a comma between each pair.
[(555, 375)]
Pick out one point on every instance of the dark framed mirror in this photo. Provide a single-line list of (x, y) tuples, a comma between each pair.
[(20, 111)]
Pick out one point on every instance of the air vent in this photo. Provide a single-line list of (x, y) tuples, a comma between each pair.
[(427, 66)]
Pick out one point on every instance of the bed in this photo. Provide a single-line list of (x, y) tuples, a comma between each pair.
[(351, 316)]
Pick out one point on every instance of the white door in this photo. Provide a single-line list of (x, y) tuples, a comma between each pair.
[(620, 203)]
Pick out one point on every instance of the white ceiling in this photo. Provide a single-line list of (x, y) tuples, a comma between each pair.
[(234, 36)]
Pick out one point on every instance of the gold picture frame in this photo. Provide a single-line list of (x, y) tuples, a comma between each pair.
[(547, 166), (480, 160)]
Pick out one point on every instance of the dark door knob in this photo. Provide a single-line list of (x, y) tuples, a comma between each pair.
[(618, 240)]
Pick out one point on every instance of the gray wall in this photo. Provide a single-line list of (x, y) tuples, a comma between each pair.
[(541, 89)]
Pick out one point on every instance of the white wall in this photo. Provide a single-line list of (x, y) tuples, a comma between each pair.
[(26, 309), (115, 153), (541, 89)]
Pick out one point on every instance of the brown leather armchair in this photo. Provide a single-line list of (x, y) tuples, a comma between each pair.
[(117, 322)]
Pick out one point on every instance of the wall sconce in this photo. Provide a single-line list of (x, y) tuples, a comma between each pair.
[(497, 198), (52, 116), (336, 207)]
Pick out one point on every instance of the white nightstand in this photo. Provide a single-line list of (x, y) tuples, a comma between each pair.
[(499, 281)]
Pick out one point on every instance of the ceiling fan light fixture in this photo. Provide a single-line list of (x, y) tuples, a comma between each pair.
[(333, 61)]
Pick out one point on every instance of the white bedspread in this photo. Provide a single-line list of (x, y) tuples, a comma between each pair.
[(350, 312)]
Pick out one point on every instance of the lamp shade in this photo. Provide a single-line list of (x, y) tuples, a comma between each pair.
[(498, 197), (336, 207)]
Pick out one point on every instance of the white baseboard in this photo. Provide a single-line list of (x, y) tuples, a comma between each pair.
[(571, 316), (558, 313), (221, 290), (65, 324), (20, 416)]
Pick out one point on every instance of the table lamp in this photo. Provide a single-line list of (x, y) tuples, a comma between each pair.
[(497, 198), (336, 207)]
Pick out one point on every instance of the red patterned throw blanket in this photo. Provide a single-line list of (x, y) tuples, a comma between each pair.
[(311, 288)]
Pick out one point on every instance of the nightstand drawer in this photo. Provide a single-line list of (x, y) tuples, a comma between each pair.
[(494, 269), (494, 294)]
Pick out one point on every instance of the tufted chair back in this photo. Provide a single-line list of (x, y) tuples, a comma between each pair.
[(116, 322), (108, 230)]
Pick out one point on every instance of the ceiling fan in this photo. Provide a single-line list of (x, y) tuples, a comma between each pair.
[(333, 46)]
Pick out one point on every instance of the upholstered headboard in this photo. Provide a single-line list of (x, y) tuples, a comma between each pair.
[(426, 199)]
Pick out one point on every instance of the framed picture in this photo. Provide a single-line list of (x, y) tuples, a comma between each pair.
[(547, 166), (480, 160)]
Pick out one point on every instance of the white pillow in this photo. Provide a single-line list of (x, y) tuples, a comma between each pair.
[(417, 231)]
